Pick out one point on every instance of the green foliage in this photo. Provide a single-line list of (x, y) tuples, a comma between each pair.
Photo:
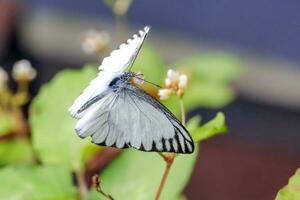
[(16, 151), (214, 127), (132, 175), (209, 78), (212, 66), (136, 175), (36, 183), (193, 123), (53, 132), (151, 64), (292, 190), (5, 124)]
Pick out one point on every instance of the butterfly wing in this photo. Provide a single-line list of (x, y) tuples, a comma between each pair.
[(132, 118), (120, 59), (111, 67)]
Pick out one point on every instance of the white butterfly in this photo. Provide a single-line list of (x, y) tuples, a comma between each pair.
[(117, 113)]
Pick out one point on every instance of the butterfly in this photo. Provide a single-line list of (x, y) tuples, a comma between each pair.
[(117, 113)]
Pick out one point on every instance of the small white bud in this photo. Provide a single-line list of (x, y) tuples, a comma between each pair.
[(172, 75), (183, 79), (175, 82), (168, 82), (23, 71), (164, 93)]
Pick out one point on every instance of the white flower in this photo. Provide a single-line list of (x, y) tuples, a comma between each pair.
[(183, 79), (172, 78), (175, 83), (23, 71), (95, 41), (164, 93), (3, 79)]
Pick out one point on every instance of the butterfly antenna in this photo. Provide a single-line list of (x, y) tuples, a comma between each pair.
[(156, 85)]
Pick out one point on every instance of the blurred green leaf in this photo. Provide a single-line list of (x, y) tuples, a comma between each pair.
[(16, 151), (36, 183), (193, 123), (151, 64), (207, 94), (136, 175), (5, 124), (292, 190), (209, 78), (53, 132), (202, 94), (213, 66), (89, 151), (214, 127)]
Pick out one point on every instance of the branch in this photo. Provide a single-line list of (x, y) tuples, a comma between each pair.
[(97, 186), (83, 190), (169, 158)]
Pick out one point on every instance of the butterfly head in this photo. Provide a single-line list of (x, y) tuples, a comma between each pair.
[(126, 78)]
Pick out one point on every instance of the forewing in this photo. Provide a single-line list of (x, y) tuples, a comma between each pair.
[(132, 118), (111, 67), (121, 58)]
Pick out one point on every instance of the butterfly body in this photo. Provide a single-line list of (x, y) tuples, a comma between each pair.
[(115, 112)]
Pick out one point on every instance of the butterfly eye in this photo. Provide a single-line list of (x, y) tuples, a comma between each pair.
[(115, 82)]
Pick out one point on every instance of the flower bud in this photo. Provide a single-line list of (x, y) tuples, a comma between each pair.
[(183, 79), (164, 93), (172, 75), (175, 84), (23, 71)]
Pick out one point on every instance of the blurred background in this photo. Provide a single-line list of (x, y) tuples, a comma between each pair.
[(262, 148)]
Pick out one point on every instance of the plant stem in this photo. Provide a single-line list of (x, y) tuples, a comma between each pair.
[(169, 158), (169, 163), (97, 186), (182, 111), (83, 190)]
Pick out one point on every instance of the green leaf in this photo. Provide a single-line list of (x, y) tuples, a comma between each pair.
[(136, 175), (16, 151), (209, 78), (214, 127), (36, 183), (213, 66), (53, 132), (292, 190), (5, 124), (193, 123), (151, 64), (207, 94), (202, 94)]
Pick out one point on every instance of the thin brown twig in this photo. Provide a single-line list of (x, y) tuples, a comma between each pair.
[(169, 158), (97, 186), (169, 163), (83, 190), (182, 111)]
